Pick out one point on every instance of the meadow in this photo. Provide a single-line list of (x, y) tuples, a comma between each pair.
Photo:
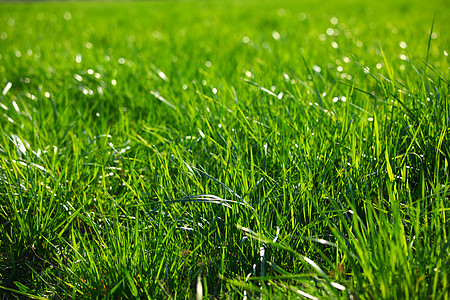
[(225, 150)]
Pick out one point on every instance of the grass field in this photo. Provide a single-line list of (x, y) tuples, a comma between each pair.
[(225, 150)]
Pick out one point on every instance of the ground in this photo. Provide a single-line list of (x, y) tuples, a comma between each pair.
[(224, 149)]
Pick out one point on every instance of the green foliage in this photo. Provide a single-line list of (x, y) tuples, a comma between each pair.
[(224, 149)]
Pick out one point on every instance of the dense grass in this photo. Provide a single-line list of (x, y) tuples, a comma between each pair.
[(225, 148)]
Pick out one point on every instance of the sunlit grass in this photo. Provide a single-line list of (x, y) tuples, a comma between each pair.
[(224, 149)]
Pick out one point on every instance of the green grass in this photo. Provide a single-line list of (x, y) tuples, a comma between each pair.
[(225, 149)]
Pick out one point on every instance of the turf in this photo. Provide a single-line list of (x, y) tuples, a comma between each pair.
[(224, 149)]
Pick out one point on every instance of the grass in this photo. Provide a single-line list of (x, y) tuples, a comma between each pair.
[(212, 149)]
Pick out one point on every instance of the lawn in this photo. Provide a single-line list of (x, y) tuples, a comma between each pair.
[(225, 150)]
